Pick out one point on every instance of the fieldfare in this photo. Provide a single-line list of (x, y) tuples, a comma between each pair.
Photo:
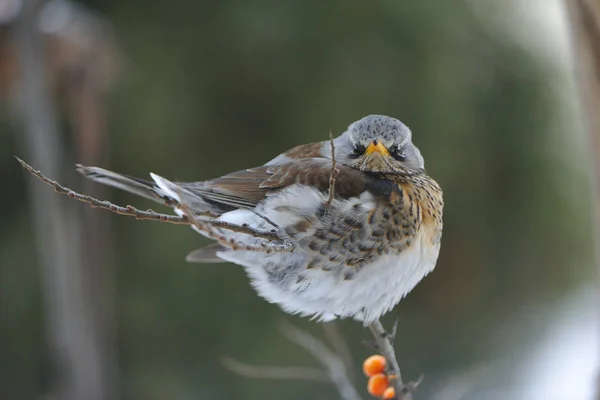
[(356, 254)]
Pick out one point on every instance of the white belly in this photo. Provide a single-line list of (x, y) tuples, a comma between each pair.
[(372, 292), (282, 278)]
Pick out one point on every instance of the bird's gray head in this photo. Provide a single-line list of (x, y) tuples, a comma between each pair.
[(378, 143)]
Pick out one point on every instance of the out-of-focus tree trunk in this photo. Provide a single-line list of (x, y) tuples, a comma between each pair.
[(74, 325), (584, 16), (585, 33)]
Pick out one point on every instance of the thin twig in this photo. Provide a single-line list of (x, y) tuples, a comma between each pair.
[(270, 235), (394, 331), (103, 204), (331, 361), (154, 216), (383, 342), (209, 228), (268, 220), (274, 371), (333, 174), (335, 368)]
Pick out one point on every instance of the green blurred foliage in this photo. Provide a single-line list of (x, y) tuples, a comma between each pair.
[(210, 87)]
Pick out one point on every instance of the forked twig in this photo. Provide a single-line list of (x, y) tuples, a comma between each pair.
[(334, 371), (332, 362), (383, 342), (189, 218), (103, 204)]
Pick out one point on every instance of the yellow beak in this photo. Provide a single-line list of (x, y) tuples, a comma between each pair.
[(377, 147)]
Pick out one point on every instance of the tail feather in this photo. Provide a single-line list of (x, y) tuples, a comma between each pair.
[(140, 187), (160, 189), (206, 254)]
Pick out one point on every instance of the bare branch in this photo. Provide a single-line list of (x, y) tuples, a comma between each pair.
[(335, 369), (102, 204), (205, 225), (274, 372), (384, 345), (331, 361)]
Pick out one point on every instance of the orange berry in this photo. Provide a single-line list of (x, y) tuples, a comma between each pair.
[(389, 393), (374, 365), (377, 384)]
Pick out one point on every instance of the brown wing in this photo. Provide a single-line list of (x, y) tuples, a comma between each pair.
[(311, 150), (245, 189)]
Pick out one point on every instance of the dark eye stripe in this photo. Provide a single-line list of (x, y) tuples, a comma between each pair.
[(396, 153), (398, 156), (358, 151)]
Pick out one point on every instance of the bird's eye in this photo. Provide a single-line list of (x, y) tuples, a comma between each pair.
[(358, 151), (397, 153)]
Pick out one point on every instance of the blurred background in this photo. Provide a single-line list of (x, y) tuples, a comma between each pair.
[(98, 306)]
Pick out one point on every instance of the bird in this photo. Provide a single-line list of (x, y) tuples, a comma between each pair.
[(362, 216)]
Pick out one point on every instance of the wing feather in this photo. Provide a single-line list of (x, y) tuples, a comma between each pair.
[(310, 150), (247, 188)]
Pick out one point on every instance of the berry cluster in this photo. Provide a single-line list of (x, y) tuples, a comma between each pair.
[(379, 383)]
